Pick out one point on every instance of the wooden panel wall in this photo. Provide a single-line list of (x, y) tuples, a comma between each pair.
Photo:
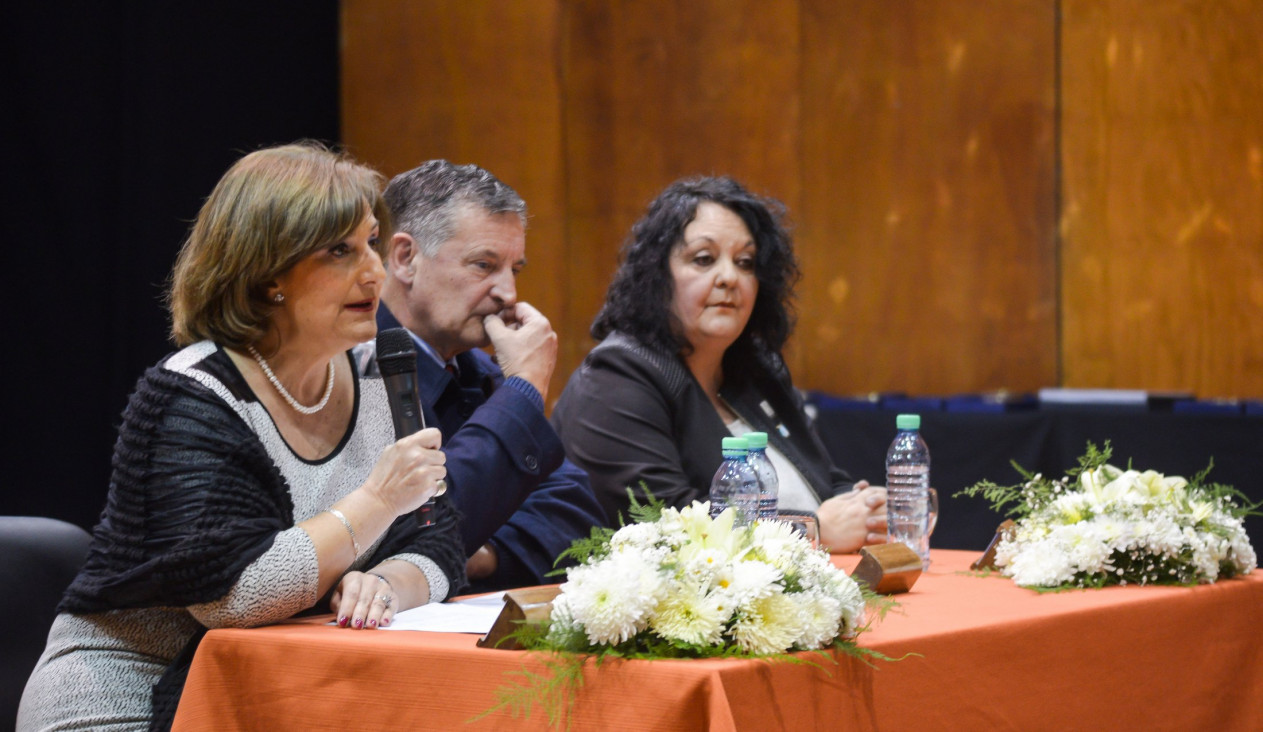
[(470, 82), (1163, 216), (927, 213), (916, 144), (658, 91)]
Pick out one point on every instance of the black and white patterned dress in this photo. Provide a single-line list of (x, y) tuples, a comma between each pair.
[(99, 669)]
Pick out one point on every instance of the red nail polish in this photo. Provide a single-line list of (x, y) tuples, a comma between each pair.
[(342, 622), (372, 623), (385, 621), (359, 623)]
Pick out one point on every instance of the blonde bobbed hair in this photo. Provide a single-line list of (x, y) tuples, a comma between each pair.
[(271, 209)]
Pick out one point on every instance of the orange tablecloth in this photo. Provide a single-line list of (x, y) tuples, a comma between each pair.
[(994, 656)]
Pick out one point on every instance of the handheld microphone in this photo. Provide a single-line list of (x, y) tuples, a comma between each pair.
[(397, 362)]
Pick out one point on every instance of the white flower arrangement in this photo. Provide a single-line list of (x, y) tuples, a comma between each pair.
[(687, 585), (679, 584), (1103, 525)]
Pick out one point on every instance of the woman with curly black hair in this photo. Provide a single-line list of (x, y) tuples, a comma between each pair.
[(691, 336)]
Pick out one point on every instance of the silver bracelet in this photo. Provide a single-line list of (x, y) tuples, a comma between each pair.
[(382, 578), (349, 529)]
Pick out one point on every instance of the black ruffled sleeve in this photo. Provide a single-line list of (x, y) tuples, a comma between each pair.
[(194, 499)]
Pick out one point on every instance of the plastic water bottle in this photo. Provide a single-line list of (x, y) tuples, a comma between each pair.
[(769, 484), (735, 484), (908, 488)]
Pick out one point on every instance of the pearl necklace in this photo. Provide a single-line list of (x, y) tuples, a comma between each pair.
[(292, 401)]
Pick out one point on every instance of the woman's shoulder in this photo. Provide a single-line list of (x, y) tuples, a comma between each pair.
[(208, 364), (622, 371), (198, 381), (630, 356)]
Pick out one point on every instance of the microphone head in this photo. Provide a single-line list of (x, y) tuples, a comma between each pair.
[(395, 352)]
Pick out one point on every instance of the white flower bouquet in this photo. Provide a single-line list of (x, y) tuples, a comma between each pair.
[(679, 584), (1103, 525), (687, 585)]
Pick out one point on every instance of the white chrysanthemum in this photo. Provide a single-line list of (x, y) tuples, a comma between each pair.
[(820, 619), (1084, 545), (749, 581), (767, 625), (690, 615), (648, 544), (701, 566), (1162, 533), (612, 598), (814, 569), (642, 536), (1111, 529), (853, 608), (1243, 556), (779, 544), (562, 629), (559, 614), (1207, 552), (1038, 564)]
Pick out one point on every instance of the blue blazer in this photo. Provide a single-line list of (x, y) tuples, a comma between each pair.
[(506, 468)]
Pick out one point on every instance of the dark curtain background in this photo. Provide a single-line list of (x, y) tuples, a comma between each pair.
[(121, 117)]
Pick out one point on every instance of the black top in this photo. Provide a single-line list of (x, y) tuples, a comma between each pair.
[(634, 417)]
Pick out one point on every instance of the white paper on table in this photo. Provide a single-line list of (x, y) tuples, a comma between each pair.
[(473, 615)]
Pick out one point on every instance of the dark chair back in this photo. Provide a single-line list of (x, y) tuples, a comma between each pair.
[(38, 558)]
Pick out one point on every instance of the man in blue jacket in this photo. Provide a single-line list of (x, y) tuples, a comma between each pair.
[(458, 244)]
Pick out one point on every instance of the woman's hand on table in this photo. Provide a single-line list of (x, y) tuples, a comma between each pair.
[(853, 519), (369, 600), (363, 600)]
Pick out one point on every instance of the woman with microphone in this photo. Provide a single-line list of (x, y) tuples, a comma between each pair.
[(256, 474)]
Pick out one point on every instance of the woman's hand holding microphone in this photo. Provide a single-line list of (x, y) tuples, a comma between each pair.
[(409, 473)]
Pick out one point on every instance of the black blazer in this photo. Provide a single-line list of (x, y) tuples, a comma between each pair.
[(634, 417)]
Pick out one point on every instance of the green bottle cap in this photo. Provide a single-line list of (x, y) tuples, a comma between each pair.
[(734, 443), (908, 421), (756, 440)]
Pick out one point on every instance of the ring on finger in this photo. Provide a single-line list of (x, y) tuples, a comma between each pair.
[(385, 600)]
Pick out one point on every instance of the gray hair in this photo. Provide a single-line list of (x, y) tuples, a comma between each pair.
[(425, 200)]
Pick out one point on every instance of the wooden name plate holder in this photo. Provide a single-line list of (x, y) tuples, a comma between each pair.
[(888, 569), (529, 605), (987, 560)]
